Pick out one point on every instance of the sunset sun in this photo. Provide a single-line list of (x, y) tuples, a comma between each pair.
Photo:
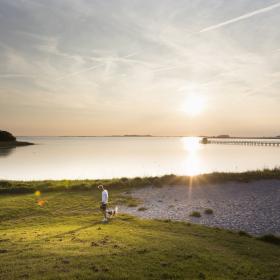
[(194, 105)]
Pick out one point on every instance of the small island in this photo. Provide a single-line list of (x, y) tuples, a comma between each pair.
[(8, 140)]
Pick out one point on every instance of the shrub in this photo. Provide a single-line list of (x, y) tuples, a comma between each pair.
[(142, 209), (195, 214), (208, 211), (132, 204), (157, 182)]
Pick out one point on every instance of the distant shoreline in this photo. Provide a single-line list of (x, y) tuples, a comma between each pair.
[(14, 144), (150, 136)]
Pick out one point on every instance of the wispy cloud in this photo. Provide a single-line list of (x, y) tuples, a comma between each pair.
[(107, 62), (80, 72), (12, 76), (245, 16)]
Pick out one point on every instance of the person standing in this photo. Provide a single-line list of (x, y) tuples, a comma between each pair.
[(104, 202)]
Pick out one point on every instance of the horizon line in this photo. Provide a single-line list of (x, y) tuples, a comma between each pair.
[(149, 136)]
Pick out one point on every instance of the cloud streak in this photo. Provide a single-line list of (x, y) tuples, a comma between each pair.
[(12, 76), (245, 16), (107, 63)]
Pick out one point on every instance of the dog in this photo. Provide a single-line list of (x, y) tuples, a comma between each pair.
[(113, 212)]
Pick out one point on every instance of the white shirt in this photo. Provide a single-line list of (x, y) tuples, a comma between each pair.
[(105, 196)]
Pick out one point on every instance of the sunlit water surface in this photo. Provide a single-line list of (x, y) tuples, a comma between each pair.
[(108, 157)]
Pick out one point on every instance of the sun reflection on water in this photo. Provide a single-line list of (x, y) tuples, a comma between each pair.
[(191, 144), (192, 164)]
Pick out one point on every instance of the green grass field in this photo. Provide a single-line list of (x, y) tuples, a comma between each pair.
[(64, 239)]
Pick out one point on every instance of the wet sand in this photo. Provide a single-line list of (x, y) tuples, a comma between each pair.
[(253, 207)]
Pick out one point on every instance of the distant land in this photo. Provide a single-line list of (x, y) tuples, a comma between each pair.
[(125, 135), (8, 140), (150, 135)]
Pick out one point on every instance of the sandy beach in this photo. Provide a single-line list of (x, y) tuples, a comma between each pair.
[(253, 207)]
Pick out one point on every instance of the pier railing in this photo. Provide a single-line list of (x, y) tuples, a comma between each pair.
[(246, 142)]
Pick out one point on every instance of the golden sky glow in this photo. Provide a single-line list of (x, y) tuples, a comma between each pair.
[(140, 67)]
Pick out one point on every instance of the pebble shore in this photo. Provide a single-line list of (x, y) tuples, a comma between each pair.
[(253, 207)]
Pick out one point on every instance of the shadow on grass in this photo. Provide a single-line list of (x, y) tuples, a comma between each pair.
[(85, 227), (74, 230), (270, 238)]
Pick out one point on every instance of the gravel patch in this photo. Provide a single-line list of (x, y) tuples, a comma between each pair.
[(253, 207)]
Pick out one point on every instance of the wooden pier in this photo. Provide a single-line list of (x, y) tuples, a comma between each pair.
[(244, 142)]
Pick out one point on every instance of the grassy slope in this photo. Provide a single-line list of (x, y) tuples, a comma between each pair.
[(65, 240)]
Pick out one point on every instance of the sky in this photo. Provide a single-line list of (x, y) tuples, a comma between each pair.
[(161, 67)]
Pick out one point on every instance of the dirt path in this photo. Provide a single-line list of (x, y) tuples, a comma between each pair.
[(253, 207)]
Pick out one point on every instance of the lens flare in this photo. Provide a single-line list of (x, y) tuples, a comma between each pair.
[(37, 193), (41, 202)]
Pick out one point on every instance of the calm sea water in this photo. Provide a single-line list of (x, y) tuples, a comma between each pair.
[(108, 157)]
